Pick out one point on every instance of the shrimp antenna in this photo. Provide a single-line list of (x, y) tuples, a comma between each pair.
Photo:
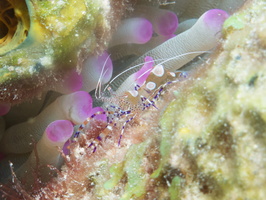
[(99, 83), (108, 85), (160, 59)]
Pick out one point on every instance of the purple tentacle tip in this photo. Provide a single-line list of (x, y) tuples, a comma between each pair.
[(143, 31), (4, 108), (59, 131), (138, 30), (96, 70), (167, 23), (133, 30), (81, 105), (145, 71), (215, 18), (105, 67), (73, 81)]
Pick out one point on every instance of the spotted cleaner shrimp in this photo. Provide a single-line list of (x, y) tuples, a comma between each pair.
[(137, 93)]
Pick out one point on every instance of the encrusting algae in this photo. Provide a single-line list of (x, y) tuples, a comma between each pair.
[(41, 40), (213, 131), (210, 142)]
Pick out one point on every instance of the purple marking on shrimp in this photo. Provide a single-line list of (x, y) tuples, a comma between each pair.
[(161, 89), (119, 141), (183, 74), (154, 106), (76, 134), (148, 91), (99, 138), (145, 71), (137, 87)]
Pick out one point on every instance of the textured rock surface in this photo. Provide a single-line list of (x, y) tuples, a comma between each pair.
[(50, 37), (210, 142)]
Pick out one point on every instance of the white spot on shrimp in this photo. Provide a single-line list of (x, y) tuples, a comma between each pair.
[(134, 93), (158, 70), (151, 85), (172, 74)]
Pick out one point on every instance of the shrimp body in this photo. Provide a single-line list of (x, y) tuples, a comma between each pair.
[(139, 92)]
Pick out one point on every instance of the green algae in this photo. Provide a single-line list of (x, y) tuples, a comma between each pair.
[(132, 169), (136, 176), (174, 188), (116, 176), (210, 136), (234, 22), (224, 145)]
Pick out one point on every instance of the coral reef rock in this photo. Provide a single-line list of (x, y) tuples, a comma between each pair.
[(208, 141), (40, 40)]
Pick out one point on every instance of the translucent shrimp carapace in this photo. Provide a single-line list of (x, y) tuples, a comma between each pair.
[(139, 92)]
